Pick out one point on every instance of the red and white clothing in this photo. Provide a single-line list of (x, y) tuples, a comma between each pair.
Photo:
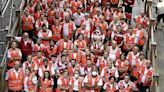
[(38, 47), (42, 35), (77, 17), (128, 87), (47, 85), (27, 22), (146, 76), (139, 33), (81, 44), (96, 18), (131, 57), (75, 4), (32, 65), (75, 55), (30, 82), (64, 13), (97, 46), (39, 24), (130, 40), (118, 14), (98, 36), (13, 54), (56, 32), (106, 72), (94, 10), (142, 20), (15, 79), (93, 81), (64, 82), (76, 84), (88, 22), (110, 87), (114, 54), (61, 44), (49, 68), (101, 62), (108, 14), (38, 60), (69, 28)]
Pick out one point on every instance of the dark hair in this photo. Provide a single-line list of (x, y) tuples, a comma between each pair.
[(95, 4), (112, 77), (63, 56), (49, 77)]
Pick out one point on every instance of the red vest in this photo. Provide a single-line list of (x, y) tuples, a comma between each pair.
[(26, 49)]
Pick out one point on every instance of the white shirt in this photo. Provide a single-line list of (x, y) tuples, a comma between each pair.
[(41, 69), (109, 84), (49, 32), (76, 84), (25, 42), (34, 81), (109, 71), (66, 29), (100, 82), (77, 18), (14, 51), (16, 73)]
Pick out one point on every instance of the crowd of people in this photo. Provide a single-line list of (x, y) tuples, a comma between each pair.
[(79, 46)]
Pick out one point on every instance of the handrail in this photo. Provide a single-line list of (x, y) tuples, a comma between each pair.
[(151, 49), (12, 31)]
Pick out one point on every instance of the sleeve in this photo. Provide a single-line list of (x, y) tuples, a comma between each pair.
[(100, 83), (124, 38), (116, 73), (74, 27), (102, 72), (59, 82), (40, 35), (85, 79), (136, 40), (36, 24), (52, 82), (52, 70), (98, 62), (50, 34), (33, 20), (104, 87), (117, 87), (40, 72), (20, 53), (8, 54), (18, 39), (34, 80), (82, 71)]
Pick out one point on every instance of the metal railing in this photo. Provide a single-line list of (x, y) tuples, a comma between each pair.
[(151, 47), (13, 31)]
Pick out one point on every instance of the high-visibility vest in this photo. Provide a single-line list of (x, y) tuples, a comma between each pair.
[(13, 54), (127, 88), (61, 46), (77, 56), (90, 82), (131, 56), (80, 44), (48, 68), (140, 34), (83, 20), (102, 63), (57, 33), (51, 51), (50, 14), (147, 73), (108, 14), (65, 83), (103, 27), (109, 73), (80, 81), (122, 65), (129, 40), (45, 35), (30, 85), (26, 49), (75, 5), (137, 67), (38, 61), (30, 65), (114, 1), (15, 84), (46, 85), (109, 88), (27, 23), (115, 54), (38, 48), (37, 15)]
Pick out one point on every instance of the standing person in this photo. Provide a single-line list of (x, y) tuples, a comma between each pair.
[(68, 27), (45, 35), (76, 82), (63, 82), (56, 31), (26, 45), (30, 81), (111, 86), (13, 54), (93, 82), (27, 23), (78, 16), (14, 78), (129, 4), (46, 83)]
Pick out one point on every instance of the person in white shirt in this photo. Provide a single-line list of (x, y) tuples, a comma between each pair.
[(93, 82), (30, 81), (76, 82), (77, 17)]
